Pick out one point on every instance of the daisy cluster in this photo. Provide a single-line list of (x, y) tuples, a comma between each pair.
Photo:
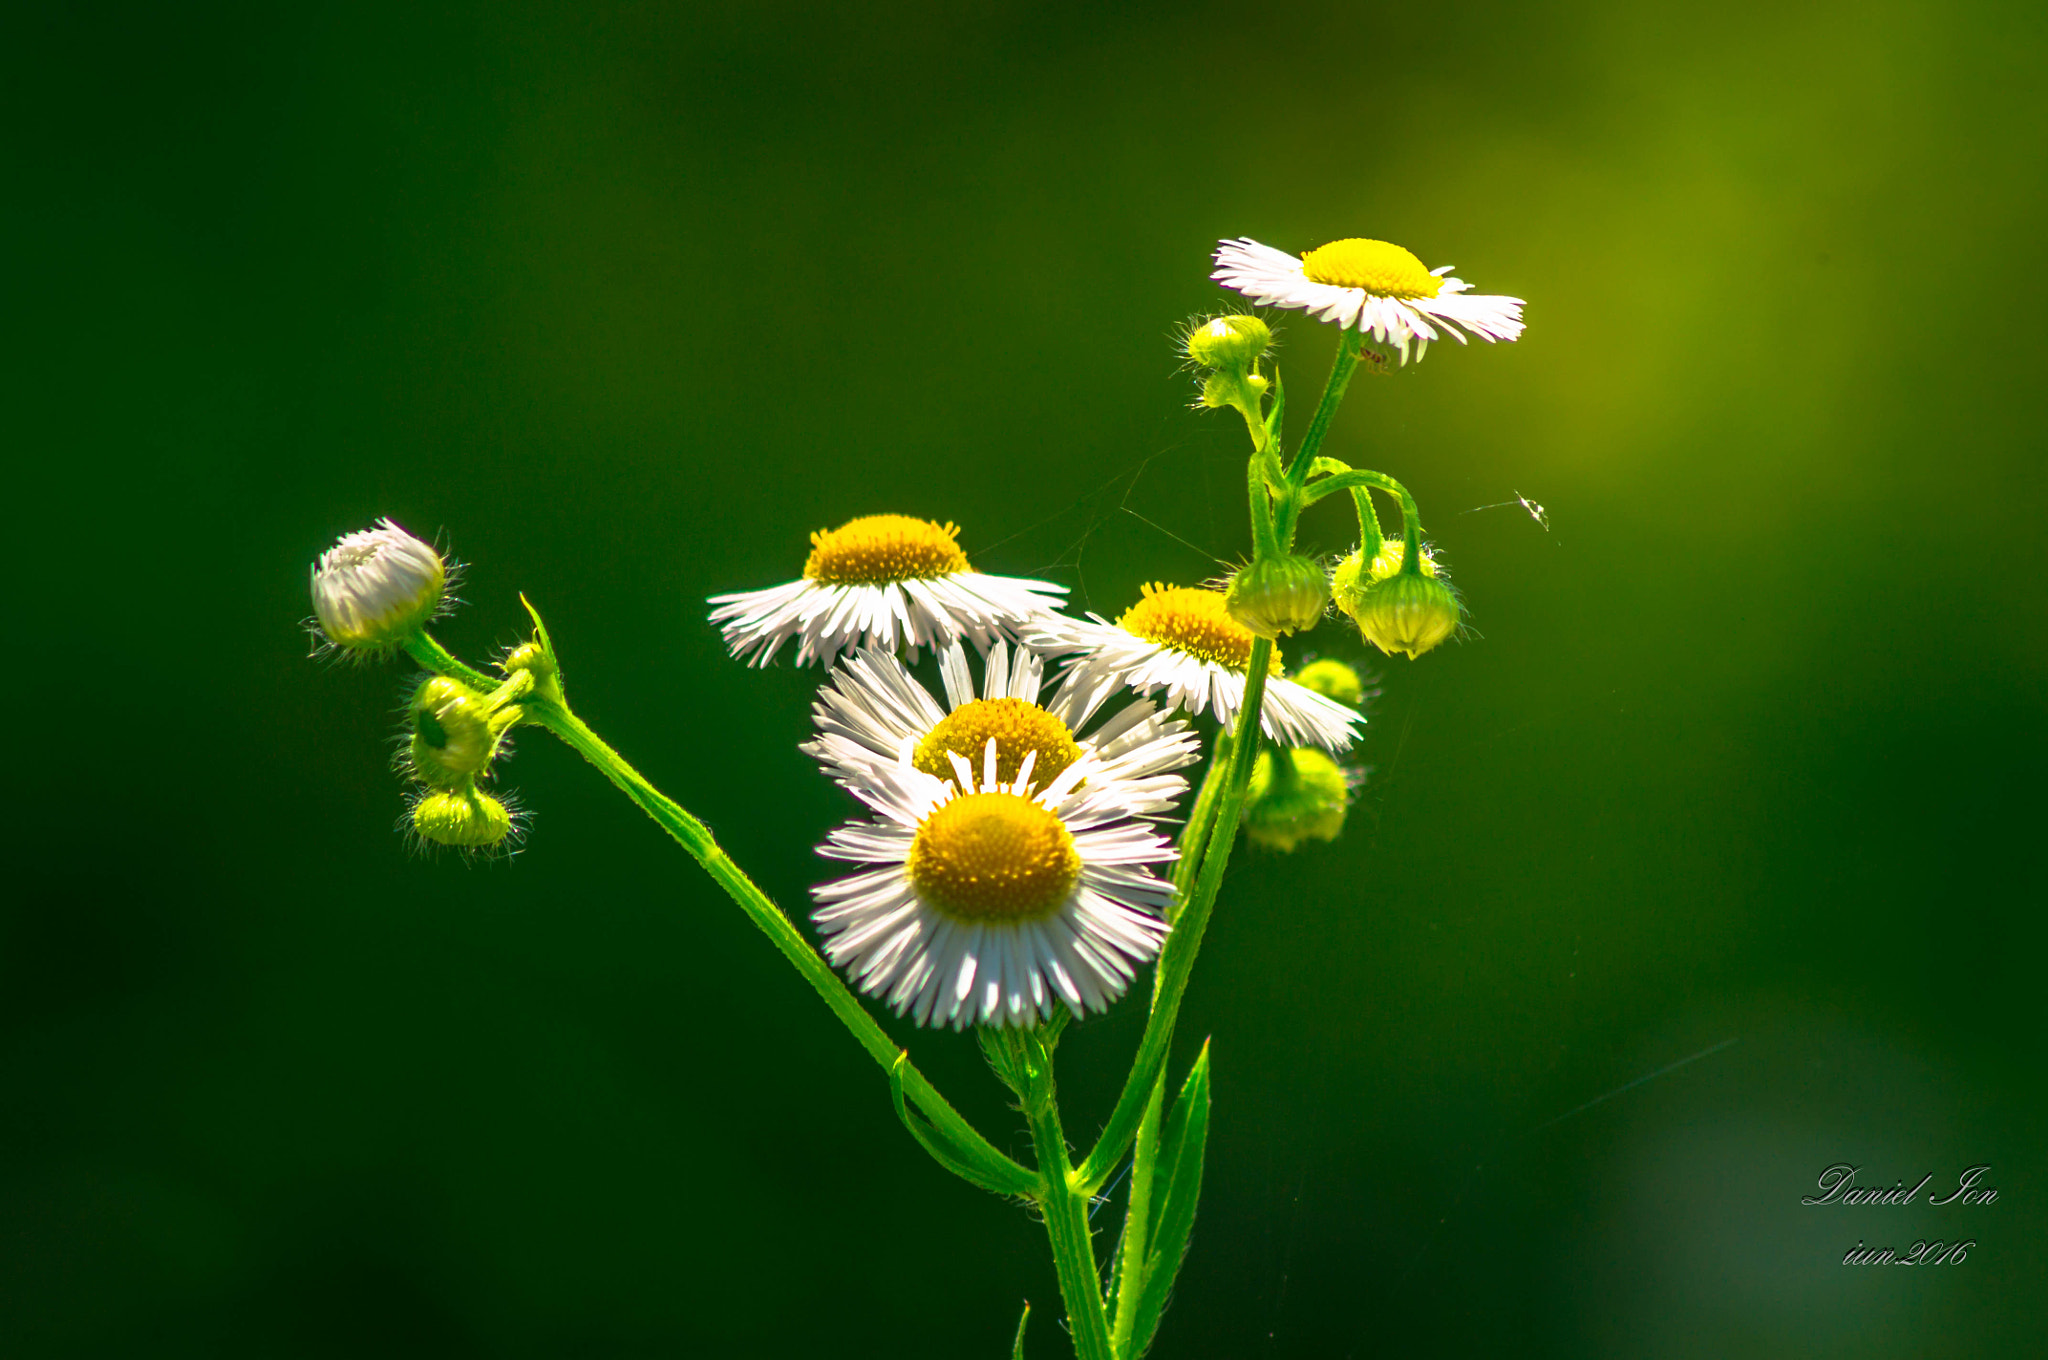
[(1012, 860)]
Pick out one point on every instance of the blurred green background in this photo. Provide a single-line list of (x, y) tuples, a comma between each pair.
[(624, 301)]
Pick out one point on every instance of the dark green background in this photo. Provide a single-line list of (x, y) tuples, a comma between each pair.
[(623, 302)]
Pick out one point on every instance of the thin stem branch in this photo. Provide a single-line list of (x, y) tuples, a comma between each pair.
[(696, 838)]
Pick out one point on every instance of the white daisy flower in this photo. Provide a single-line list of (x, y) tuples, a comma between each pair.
[(377, 587), (873, 712), (1182, 640), (1371, 286), (884, 581), (990, 904)]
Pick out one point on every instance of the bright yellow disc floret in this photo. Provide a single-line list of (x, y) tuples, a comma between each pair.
[(1192, 620), (994, 857), (877, 549), (1019, 728), (1379, 267)]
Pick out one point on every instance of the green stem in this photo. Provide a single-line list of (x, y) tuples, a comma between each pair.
[(1195, 834), (441, 661), (696, 838), (1065, 1204), (1265, 539), (1177, 959), (1370, 536), (1341, 368)]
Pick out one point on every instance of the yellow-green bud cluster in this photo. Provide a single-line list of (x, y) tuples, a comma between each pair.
[(1295, 795), (1333, 680), (1278, 595), (456, 734)]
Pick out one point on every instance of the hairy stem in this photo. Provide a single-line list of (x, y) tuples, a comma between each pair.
[(1065, 1205)]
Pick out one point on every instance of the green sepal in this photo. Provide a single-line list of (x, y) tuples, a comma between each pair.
[(1276, 415), (1017, 1346), (995, 1047), (976, 1162), (1179, 1187)]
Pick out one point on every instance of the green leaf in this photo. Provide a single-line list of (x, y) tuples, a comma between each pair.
[(1017, 1346), (1278, 414), (976, 1162), (1323, 465), (1179, 1187)]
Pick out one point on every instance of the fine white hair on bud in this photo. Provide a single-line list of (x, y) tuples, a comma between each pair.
[(376, 588)]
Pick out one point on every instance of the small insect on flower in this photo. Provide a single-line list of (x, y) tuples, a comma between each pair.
[(874, 712), (990, 902), (376, 588), (1374, 287), (884, 581), (1182, 639)]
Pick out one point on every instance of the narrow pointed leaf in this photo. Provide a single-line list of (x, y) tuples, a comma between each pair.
[(1179, 1187), (1017, 1346), (975, 1162)]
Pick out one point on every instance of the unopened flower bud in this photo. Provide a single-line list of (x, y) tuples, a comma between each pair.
[(1227, 388), (1231, 342), (1352, 577), (376, 588), (1406, 613), (466, 818), (1333, 680), (453, 736), (1295, 795), (540, 662), (1278, 595)]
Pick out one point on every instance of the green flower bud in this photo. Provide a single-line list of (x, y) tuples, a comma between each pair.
[(1227, 388), (1278, 595), (534, 657), (375, 589), (1333, 680), (1231, 342), (1406, 613), (1301, 795), (453, 735), (1352, 577), (466, 818)]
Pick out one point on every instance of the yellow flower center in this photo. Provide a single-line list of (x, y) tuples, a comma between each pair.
[(1194, 621), (1379, 267), (994, 857), (877, 549), (1018, 728)]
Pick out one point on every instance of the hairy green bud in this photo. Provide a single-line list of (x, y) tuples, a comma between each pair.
[(1295, 795), (1229, 342), (1278, 595), (453, 735), (1407, 612), (465, 818), (1227, 388), (1352, 577), (1333, 680)]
